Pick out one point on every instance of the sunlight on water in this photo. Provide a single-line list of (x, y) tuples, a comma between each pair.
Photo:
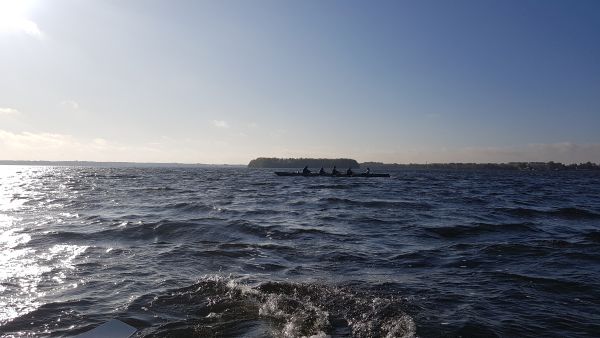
[(22, 268), (20, 273), (64, 255), (11, 184)]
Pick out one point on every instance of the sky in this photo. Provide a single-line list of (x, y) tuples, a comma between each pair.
[(228, 81)]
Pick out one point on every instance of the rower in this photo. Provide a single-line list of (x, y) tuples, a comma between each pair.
[(368, 171), (349, 172), (335, 171), (321, 171), (305, 171)]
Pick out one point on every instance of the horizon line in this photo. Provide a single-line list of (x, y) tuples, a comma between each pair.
[(66, 162)]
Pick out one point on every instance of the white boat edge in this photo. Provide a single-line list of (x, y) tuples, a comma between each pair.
[(114, 328)]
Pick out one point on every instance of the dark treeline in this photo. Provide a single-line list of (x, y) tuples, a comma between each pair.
[(545, 166), (265, 162)]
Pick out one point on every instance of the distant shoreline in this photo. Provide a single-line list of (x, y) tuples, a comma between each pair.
[(518, 166), (297, 163), (115, 164), (275, 163)]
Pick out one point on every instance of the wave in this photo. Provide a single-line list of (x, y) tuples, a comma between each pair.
[(189, 207), (476, 229), (475, 329), (171, 231), (473, 200), (571, 213), (538, 248), (52, 312), (278, 233), (378, 203), (546, 283), (266, 246), (332, 186), (593, 236), (155, 232), (350, 258), (223, 306), (575, 213), (260, 212), (371, 220), (159, 188), (417, 259)]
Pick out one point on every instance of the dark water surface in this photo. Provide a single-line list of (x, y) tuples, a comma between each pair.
[(241, 252)]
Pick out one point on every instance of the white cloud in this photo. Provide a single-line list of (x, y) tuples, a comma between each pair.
[(21, 25), (36, 141), (13, 18), (9, 111), (70, 104), (277, 133), (31, 28), (51, 146), (252, 125), (220, 124), (63, 147), (100, 143)]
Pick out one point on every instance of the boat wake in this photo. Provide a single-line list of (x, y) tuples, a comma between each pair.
[(224, 306)]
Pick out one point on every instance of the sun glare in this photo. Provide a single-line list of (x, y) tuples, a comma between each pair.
[(13, 17)]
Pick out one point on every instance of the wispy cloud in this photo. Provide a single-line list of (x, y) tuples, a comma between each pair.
[(21, 25), (53, 146), (31, 28), (9, 111), (33, 141), (100, 143), (27, 145), (277, 133), (220, 124), (70, 104)]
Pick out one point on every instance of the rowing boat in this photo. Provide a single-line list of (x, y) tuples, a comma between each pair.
[(287, 173)]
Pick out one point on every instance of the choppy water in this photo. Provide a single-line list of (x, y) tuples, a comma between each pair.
[(240, 252)]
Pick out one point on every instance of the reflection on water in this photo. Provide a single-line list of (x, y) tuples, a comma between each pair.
[(23, 269)]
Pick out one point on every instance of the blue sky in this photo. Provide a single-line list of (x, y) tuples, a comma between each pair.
[(228, 81)]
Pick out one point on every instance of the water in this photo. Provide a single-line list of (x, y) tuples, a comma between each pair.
[(240, 252)]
